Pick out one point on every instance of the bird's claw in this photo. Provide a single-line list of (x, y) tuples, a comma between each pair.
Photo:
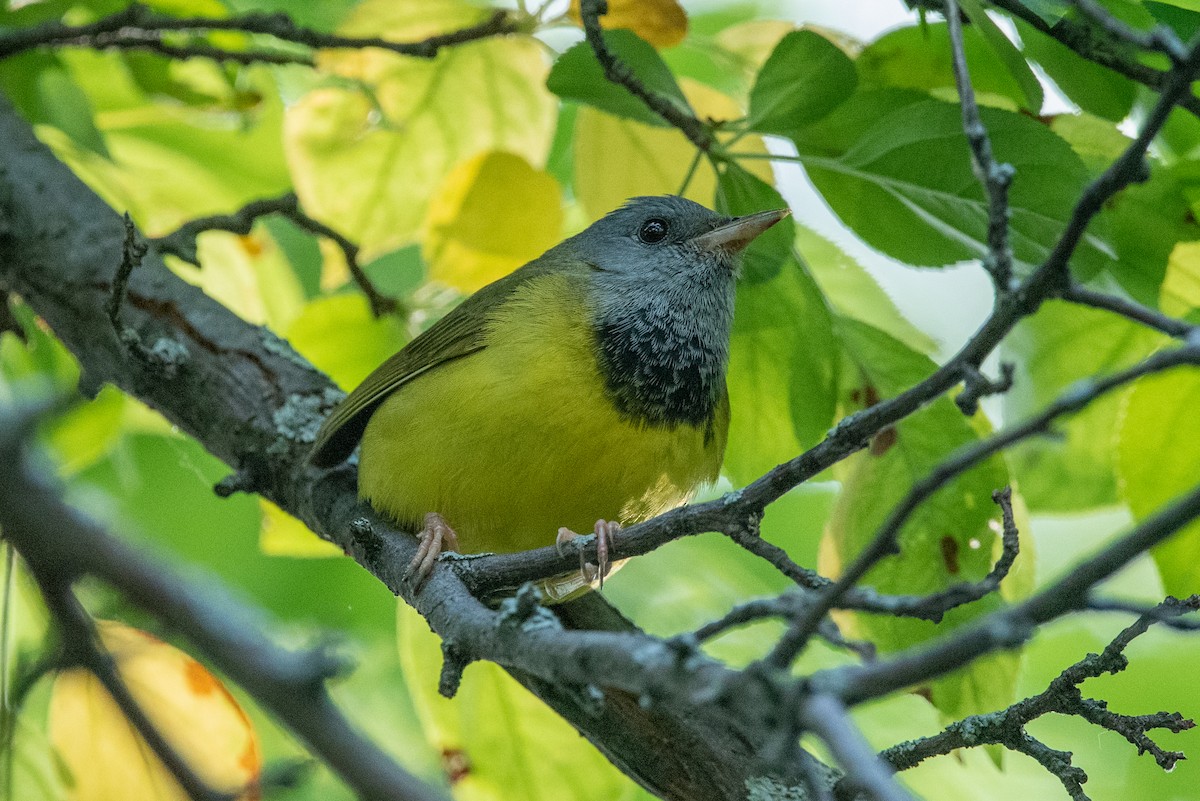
[(435, 538), (605, 541)]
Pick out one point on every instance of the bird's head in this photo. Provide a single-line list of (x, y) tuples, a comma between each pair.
[(653, 244)]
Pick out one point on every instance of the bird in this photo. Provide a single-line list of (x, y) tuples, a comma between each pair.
[(585, 389)]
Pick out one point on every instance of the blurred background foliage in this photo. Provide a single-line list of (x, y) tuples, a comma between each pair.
[(450, 172)]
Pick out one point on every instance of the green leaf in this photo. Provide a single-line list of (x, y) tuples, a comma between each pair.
[(1007, 52), (67, 108), (1061, 344), (172, 163), (740, 192), (852, 292), (727, 59), (616, 158), (805, 78), (1145, 221), (782, 373), (578, 76), (159, 490), (1158, 452), (907, 188), (1050, 11), (837, 133), (500, 741), (949, 539), (1095, 89), (341, 337), (920, 58), (1181, 16)]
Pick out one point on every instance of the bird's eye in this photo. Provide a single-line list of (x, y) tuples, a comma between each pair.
[(652, 231)]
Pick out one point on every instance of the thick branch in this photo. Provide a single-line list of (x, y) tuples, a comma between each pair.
[(256, 404)]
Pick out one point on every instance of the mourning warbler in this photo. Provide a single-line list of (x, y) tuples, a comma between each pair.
[(585, 389)]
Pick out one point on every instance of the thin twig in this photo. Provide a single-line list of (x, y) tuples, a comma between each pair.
[(1079, 38), (886, 539), (993, 177), (865, 772), (139, 27), (618, 72), (1063, 696), (82, 647), (1129, 309), (1160, 38), (182, 241), (1010, 627), (132, 252), (61, 545), (977, 386)]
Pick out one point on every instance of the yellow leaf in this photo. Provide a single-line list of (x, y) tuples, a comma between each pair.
[(368, 162), (662, 23), (194, 712), (492, 214), (280, 534), (617, 158), (749, 43)]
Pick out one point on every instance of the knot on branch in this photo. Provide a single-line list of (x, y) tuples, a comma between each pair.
[(524, 611), (454, 662), (233, 483), (977, 386)]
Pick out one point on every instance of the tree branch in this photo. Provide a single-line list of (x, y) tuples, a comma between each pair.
[(61, 546), (257, 405), (83, 648), (1010, 627), (1082, 40), (182, 241), (620, 73), (1063, 696), (993, 177), (140, 28)]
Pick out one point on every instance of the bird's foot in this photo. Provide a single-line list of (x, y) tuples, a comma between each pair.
[(606, 532), (436, 538)]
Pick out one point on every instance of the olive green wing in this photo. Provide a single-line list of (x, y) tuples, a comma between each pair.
[(460, 333)]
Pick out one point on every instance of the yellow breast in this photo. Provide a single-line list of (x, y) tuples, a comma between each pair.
[(518, 439)]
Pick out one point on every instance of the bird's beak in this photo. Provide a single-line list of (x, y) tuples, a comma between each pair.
[(735, 235)]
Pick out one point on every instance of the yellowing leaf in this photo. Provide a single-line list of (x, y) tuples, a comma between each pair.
[(280, 534), (752, 41), (249, 274), (497, 740), (662, 23), (171, 163), (492, 214), (194, 712), (368, 161), (617, 158)]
